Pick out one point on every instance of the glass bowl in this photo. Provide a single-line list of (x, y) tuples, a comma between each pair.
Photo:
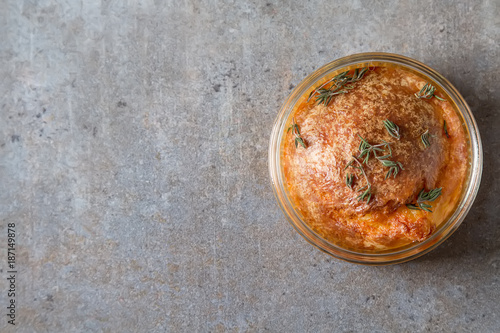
[(445, 229)]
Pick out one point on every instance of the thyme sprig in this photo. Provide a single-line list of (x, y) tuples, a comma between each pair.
[(427, 92), (366, 149), (367, 189), (445, 129), (336, 86), (392, 128), (425, 139), (423, 197), (295, 130)]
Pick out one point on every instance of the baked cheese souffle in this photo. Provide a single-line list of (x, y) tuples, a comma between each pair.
[(375, 158)]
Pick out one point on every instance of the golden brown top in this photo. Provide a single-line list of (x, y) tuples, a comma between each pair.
[(315, 175)]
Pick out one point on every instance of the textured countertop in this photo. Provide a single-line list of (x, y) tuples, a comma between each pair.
[(133, 163)]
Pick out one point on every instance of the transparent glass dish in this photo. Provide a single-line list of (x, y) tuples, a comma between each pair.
[(446, 228)]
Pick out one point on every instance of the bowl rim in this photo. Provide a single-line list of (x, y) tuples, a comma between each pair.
[(408, 252)]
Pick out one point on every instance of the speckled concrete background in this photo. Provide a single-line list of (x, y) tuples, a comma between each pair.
[(133, 160)]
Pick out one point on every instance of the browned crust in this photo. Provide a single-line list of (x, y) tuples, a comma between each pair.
[(315, 176)]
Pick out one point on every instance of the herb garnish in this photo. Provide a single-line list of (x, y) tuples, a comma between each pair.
[(338, 86), (394, 167), (367, 188), (425, 196), (366, 194), (427, 92), (349, 178), (298, 139), (445, 129), (425, 139), (392, 128), (365, 149)]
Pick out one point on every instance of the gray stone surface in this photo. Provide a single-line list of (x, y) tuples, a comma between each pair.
[(133, 161)]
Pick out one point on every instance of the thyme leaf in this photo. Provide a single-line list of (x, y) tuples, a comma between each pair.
[(392, 128), (425, 139), (445, 129), (349, 178)]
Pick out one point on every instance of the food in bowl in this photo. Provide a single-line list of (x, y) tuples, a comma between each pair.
[(375, 158)]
